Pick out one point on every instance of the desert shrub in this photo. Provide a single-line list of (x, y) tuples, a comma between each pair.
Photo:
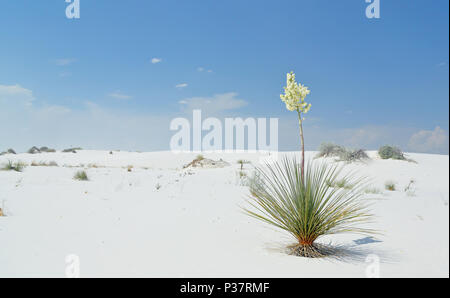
[(44, 164), (34, 150), (308, 208), (349, 155), (46, 149), (343, 154), (390, 185), (73, 150), (81, 175), (17, 166), (390, 152), (330, 150), (9, 151)]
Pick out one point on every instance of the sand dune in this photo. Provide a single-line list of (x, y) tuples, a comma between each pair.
[(160, 220)]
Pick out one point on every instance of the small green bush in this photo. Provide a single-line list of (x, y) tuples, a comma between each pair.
[(391, 152), (81, 176)]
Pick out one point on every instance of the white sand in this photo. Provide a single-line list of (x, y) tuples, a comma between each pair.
[(120, 224)]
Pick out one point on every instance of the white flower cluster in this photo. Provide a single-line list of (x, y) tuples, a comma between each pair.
[(295, 94)]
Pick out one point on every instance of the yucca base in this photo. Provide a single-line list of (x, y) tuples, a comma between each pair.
[(308, 250)]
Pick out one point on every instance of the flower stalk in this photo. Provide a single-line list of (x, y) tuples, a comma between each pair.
[(294, 98)]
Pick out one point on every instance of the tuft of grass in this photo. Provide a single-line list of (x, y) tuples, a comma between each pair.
[(373, 190), (199, 157), (17, 166), (158, 186), (308, 209), (339, 183), (390, 185), (391, 152), (81, 176), (130, 168), (242, 162)]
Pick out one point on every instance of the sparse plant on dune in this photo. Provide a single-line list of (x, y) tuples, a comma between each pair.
[(242, 162), (340, 183), (373, 190), (330, 150), (390, 185), (81, 176), (311, 207), (391, 152), (17, 166), (410, 188), (44, 164), (344, 154), (349, 155)]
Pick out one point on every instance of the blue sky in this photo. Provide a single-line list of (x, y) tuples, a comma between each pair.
[(91, 82)]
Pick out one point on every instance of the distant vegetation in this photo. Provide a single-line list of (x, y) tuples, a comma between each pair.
[(81, 176), (44, 164), (342, 153), (242, 162), (17, 166), (391, 152), (390, 185), (72, 150)]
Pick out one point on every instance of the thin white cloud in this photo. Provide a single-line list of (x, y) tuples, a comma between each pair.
[(64, 61), (214, 104), (183, 85), (431, 141), (16, 93), (442, 64), (119, 95), (202, 69), (65, 74), (156, 60)]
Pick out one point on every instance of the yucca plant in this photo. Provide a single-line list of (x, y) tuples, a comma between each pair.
[(311, 207)]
